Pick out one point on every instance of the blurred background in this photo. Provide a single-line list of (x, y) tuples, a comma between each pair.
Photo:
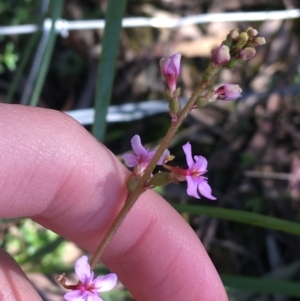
[(253, 144)]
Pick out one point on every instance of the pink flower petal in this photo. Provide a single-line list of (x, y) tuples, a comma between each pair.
[(164, 63), (205, 190), (93, 298), (161, 159), (192, 187), (83, 269), (130, 160), (106, 283), (137, 146), (146, 159), (176, 62), (201, 163), (75, 296), (188, 153)]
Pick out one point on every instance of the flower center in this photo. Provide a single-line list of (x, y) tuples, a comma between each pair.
[(88, 287)]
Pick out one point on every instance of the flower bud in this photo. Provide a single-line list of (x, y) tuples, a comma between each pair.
[(246, 53), (251, 32), (233, 34), (242, 40), (170, 69), (259, 41), (220, 55), (228, 92), (231, 37)]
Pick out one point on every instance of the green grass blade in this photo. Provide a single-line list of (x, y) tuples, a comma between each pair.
[(261, 285), (111, 40), (242, 217), (56, 14)]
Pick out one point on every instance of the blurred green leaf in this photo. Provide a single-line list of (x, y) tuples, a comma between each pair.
[(242, 217), (111, 40), (281, 273), (8, 58), (262, 285), (47, 248)]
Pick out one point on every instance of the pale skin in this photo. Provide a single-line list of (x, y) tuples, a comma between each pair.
[(54, 171)]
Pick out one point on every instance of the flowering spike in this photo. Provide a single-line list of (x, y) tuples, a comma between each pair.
[(228, 92), (88, 288), (170, 69)]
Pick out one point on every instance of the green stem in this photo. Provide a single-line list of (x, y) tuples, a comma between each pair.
[(56, 13), (107, 65), (139, 189)]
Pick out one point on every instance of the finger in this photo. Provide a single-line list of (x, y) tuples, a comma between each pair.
[(56, 173), (14, 285)]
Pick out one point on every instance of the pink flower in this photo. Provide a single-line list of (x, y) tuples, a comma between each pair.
[(193, 175), (228, 92), (89, 288), (142, 156), (170, 69)]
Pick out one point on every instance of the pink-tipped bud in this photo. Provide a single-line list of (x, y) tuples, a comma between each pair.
[(252, 32), (234, 34), (220, 55), (228, 92), (258, 41), (246, 53), (170, 69)]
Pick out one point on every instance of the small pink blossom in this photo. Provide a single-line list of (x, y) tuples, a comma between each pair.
[(89, 288), (170, 69), (193, 175), (228, 92), (142, 156)]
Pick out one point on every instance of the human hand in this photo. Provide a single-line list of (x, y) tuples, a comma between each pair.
[(54, 172)]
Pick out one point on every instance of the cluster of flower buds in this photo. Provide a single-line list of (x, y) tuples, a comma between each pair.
[(242, 45), (238, 47)]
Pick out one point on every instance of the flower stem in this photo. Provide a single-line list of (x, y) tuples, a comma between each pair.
[(139, 189)]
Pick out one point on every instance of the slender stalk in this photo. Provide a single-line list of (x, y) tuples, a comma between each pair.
[(139, 189), (41, 76), (107, 65)]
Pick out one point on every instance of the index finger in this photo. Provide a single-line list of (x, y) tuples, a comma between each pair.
[(55, 172)]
